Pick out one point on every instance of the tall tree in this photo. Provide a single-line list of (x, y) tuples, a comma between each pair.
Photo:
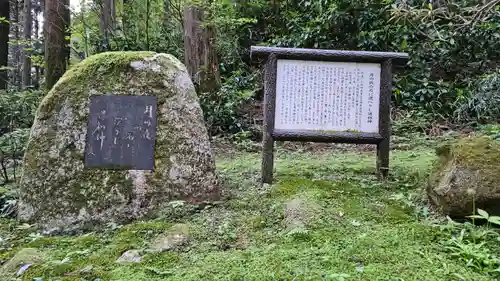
[(37, 9), (28, 25), (108, 14), (199, 50), (4, 42), (56, 48), (15, 45)]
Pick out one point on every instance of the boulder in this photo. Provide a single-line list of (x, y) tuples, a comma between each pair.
[(466, 176), (59, 193)]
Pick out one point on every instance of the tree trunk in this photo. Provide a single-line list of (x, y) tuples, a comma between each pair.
[(106, 22), (67, 38), (15, 44), (56, 51), (37, 10), (85, 33), (200, 55), (28, 23), (4, 42)]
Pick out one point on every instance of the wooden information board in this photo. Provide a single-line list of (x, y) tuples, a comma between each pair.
[(327, 96)]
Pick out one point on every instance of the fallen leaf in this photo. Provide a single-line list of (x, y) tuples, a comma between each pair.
[(23, 269)]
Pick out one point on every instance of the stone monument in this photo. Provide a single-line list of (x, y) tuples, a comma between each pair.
[(119, 136)]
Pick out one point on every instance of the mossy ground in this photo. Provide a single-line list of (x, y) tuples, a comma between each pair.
[(365, 229)]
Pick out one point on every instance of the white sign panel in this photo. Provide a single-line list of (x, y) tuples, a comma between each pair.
[(328, 96)]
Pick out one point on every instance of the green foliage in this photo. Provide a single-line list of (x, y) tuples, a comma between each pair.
[(411, 121), (483, 215), (222, 109), (484, 103), (152, 25), (13, 143), (17, 109), (492, 130), (475, 246)]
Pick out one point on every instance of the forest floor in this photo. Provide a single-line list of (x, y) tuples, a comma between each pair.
[(327, 217)]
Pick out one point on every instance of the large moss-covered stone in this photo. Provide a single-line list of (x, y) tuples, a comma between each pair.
[(59, 193), (467, 171)]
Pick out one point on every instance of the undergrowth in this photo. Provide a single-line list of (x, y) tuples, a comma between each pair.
[(326, 218)]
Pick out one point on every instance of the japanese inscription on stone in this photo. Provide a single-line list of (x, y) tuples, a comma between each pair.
[(329, 96), (121, 132)]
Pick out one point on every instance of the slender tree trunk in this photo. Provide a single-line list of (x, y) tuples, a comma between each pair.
[(199, 51), (4, 42), (28, 24), (67, 37), (108, 14), (37, 10), (15, 44), (56, 51), (85, 39)]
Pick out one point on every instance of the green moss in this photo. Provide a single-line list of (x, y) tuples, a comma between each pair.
[(98, 68), (479, 152), (475, 153), (356, 230)]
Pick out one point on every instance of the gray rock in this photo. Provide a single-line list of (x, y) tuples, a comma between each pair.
[(177, 237), (55, 189), (130, 256)]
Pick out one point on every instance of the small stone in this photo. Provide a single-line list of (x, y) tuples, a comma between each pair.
[(21, 261), (165, 243), (130, 256), (87, 269), (177, 237)]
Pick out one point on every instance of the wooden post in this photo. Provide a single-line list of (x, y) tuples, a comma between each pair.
[(384, 118), (269, 110)]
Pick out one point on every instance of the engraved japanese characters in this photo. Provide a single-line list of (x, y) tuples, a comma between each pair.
[(121, 132)]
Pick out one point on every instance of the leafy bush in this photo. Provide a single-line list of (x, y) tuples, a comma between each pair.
[(484, 103), (12, 147), (17, 109), (222, 109), (17, 112)]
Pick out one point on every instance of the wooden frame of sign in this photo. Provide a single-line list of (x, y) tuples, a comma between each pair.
[(314, 95)]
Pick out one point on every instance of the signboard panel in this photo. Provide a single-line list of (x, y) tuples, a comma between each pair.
[(327, 96)]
